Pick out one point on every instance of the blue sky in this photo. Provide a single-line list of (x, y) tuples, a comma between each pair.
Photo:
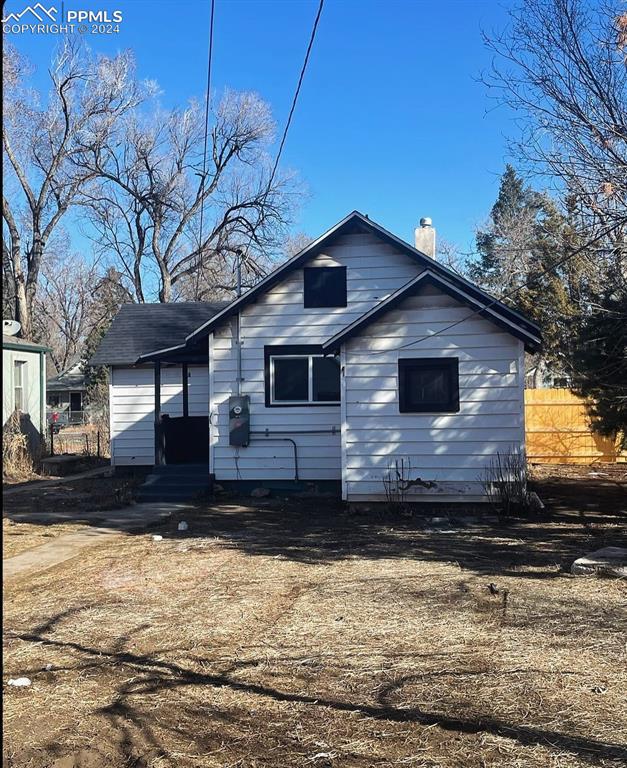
[(391, 121)]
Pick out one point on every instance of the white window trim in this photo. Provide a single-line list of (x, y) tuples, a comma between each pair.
[(310, 400), (19, 365)]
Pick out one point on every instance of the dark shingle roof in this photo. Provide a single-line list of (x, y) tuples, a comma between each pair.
[(67, 380), (141, 328)]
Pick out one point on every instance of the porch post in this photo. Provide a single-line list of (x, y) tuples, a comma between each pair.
[(158, 431), (184, 369)]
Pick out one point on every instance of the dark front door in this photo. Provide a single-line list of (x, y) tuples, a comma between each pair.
[(185, 439), (76, 407)]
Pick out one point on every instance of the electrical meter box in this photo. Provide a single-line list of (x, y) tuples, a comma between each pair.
[(239, 420)]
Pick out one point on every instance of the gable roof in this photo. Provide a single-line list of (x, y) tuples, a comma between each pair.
[(483, 308), (71, 378), (138, 329), (357, 222)]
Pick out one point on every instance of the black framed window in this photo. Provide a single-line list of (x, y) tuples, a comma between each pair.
[(428, 385), (324, 286), (300, 375)]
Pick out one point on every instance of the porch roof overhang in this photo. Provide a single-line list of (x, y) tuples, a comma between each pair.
[(178, 354), (527, 332)]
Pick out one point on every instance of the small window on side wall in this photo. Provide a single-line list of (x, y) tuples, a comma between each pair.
[(324, 286), (428, 385)]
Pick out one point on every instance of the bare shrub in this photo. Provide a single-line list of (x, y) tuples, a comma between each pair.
[(397, 481), (17, 454), (504, 482)]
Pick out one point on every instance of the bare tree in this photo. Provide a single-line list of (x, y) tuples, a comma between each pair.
[(295, 243), (561, 66), (65, 307), (41, 139), (154, 192)]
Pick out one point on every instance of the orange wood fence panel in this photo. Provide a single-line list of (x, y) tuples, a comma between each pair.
[(558, 430)]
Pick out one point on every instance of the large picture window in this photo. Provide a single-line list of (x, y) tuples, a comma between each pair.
[(324, 286), (428, 385), (301, 376)]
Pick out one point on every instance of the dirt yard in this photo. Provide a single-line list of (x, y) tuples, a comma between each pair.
[(296, 634)]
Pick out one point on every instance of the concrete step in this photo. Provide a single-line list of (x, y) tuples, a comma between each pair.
[(175, 482)]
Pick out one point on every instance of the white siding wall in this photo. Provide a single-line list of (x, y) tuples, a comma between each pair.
[(374, 271), (31, 384), (132, 401), (450, 449)]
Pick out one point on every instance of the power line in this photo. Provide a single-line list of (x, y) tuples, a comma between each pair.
[(204, 154), (508, 295), (286, 129), (296, 94)]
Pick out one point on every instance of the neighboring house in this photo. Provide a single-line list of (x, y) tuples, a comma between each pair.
[(359, 350), (66, 395), (24, 384)]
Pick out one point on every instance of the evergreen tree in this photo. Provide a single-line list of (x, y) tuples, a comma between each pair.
[(525, 236), (599, 361)]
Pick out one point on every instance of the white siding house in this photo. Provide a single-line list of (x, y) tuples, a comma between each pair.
[(358, 351), (374, 270), (24, 385)]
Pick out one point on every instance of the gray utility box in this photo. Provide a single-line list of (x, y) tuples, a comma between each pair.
[(239, 420)]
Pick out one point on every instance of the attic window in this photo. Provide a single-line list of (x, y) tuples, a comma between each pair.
[(428, 385), (324, 286)]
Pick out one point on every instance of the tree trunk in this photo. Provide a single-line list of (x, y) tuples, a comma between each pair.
[(538, 374), (22, 309), (34, 267), (165, 292)]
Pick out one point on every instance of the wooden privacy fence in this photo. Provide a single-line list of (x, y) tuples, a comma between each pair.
[(558, 430)]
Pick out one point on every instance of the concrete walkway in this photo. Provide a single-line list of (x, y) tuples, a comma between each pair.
[(31, 485), (136, 518)]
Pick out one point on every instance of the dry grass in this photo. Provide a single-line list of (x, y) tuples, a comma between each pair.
[(19, 537), (299, 636)]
